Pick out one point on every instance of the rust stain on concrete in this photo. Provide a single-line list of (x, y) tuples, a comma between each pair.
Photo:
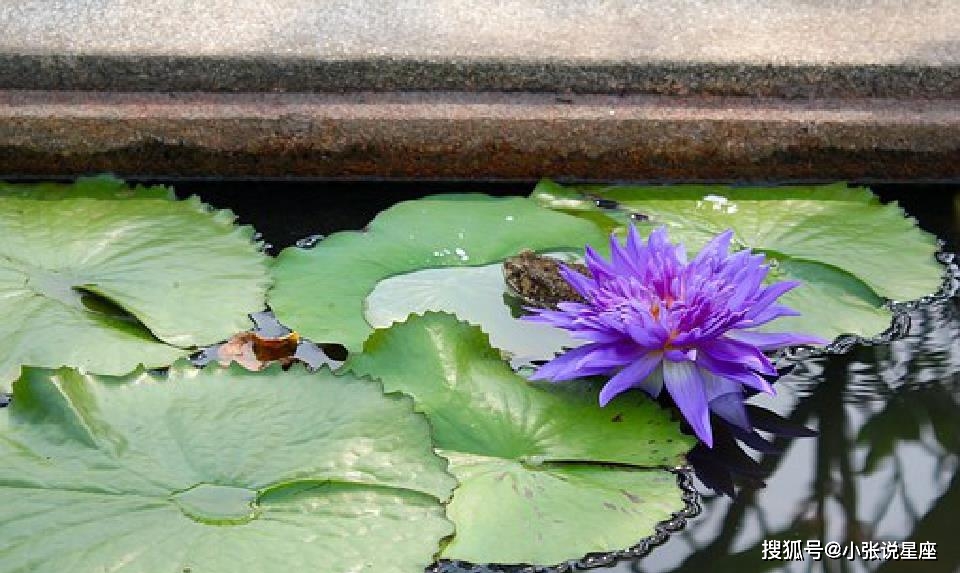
[(476, 135)]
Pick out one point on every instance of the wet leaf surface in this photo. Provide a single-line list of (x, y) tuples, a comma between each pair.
[(103, 277), (476, 295), (201, 472), (439, 232), (545, 474)]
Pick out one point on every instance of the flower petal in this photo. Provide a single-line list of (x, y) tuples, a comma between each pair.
[(636, 248), (768, 314), (725, 399), (734, 371), (620, 258), (552, 317), (653, 384), (647, 333), (716, 386), (716, 248), (774, 340), (730, 408), (730, 350), (773, 292), (581, 283), (587, 360), (630, 377), (565, 366), (600, 270), (685, 385)]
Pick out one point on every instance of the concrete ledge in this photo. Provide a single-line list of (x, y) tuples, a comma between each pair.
[(476, 135), (620, 89), (782, 48), (268, 74)]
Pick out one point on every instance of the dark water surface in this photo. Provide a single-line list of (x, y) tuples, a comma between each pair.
[(883, 468)]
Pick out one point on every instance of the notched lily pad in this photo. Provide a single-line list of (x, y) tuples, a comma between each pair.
[(850, 251), (102, 277), (411, 259), (219, 470), (533, 459)]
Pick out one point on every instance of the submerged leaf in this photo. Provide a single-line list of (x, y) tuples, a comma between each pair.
[(531, 458), (203, 473), (101, 277), (434, 233), (849, 251)]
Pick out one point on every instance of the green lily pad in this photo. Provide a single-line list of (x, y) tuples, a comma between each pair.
[(474, 294), (436, 232), (219, 470), (850, 251), (102, 277), (533, 459), (103, 187)]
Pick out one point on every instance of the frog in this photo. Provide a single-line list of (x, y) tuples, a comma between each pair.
[(536, 280)]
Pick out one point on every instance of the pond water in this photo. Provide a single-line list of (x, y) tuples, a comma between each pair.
[(882, 468)]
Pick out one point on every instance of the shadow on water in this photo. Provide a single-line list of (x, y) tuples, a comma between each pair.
[(286, 212), (882, 469), (884, 466)]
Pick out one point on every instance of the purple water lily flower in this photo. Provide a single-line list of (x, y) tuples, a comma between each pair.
[(655, 320)]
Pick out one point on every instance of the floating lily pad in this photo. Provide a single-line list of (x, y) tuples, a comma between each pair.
[(533, 460), (219, 470), (103, 187), (849, 251), (324, 292), (474, 294), (102, 277)]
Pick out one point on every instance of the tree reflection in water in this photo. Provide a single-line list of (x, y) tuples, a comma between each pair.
[(883, 468)]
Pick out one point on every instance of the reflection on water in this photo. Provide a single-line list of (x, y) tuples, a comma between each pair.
[(884, 467)]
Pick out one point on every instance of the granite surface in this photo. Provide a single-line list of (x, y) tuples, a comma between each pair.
[(769, 31), (481, 136), (733, 90), (786, 48)]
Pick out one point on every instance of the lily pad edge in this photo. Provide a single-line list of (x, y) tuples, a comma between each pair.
[(683, 473)]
